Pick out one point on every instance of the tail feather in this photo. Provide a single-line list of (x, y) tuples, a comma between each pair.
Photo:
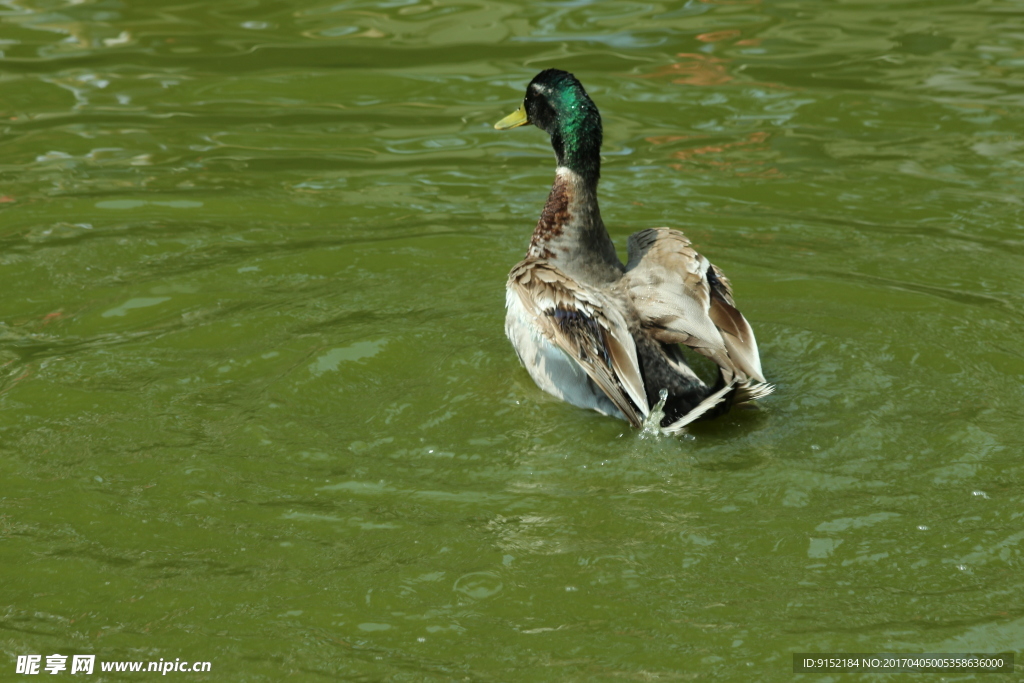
[(740, 393), (700, 409), (752, 391)]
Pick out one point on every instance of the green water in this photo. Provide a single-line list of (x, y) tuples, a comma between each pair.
[(256, 403)]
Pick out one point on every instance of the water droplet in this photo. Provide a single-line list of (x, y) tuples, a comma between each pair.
[(652, 423)]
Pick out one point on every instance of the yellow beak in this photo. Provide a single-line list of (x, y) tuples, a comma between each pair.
[(514, 120)]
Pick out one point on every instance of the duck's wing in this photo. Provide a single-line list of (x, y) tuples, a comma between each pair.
[(682, 299), (584, 323)]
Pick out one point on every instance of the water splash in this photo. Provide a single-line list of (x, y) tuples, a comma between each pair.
[(651, 428)]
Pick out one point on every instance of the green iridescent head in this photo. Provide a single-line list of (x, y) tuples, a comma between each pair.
[(556, 103)]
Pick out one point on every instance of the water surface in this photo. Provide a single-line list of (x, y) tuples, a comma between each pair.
[(256, 403)]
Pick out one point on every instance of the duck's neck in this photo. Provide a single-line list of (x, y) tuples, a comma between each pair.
[(570, 231)]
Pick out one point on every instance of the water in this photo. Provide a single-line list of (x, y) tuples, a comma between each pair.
[(257, 407)]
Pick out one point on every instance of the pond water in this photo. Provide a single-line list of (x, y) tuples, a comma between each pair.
[(256, 403)]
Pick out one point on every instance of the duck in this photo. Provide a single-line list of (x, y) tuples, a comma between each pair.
[(608, 336)]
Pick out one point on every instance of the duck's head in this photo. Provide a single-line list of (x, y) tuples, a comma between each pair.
[(556, 103)]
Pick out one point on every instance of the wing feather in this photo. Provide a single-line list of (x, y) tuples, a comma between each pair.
[(682, 298), (578, 320)]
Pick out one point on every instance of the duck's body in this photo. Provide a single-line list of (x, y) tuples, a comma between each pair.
[(603, 335)]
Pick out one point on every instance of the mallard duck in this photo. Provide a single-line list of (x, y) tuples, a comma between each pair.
[(603, 335)]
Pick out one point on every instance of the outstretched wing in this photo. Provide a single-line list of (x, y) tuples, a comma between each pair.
[(682, 299), (578, 320)]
